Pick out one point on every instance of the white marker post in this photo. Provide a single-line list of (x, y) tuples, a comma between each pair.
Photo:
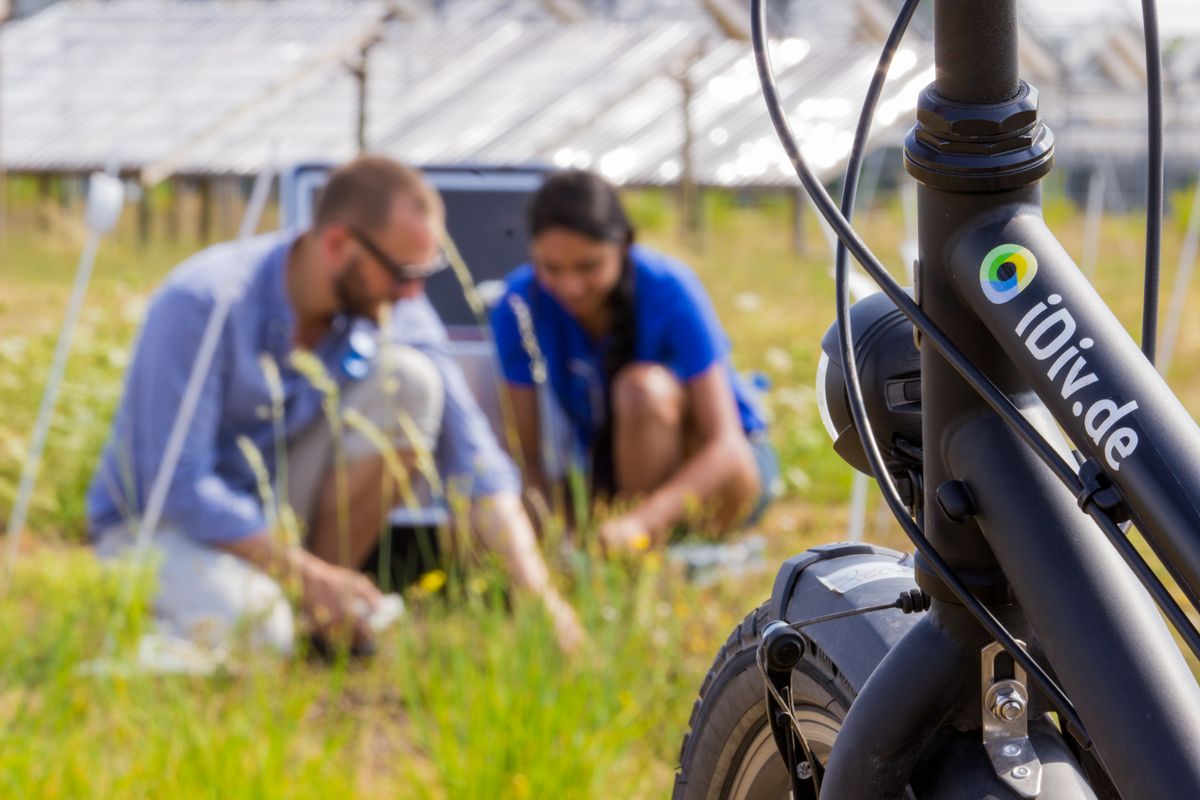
[(860, 287), (1097, 186), (1183, 278), (200, 367), (105, 198), (167, 655)]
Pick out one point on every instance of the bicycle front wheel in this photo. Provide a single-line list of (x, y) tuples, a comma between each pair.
[(729, 752)]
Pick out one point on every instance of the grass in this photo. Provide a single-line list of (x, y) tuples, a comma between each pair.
[(468, 698)]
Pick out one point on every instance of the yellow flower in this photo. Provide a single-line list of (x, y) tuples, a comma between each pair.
[(431, 581)]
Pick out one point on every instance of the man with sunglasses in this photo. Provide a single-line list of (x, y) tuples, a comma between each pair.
[(291, 435)]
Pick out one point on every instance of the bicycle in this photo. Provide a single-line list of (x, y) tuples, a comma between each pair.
[(1019, 652)]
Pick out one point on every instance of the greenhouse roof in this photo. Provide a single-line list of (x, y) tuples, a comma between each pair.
[(162, 87)]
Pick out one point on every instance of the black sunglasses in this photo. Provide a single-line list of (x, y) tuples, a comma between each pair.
[(401, 273)]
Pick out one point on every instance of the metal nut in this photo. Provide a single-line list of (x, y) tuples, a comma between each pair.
[(1020, 772), (946, 119), (1011, 750), (1008, 704)]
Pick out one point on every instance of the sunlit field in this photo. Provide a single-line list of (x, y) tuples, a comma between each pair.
[(468, 697)]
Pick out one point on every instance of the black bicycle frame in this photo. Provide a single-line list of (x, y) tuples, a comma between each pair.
[(993, 277)]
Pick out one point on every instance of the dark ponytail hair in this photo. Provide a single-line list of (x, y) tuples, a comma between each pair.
[(585, 203)]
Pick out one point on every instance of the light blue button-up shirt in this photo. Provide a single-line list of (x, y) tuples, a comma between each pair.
[(213, 493)]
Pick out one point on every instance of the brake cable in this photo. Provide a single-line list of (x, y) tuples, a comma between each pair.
[(780, 648), (779, 704), (1154, 177), (1087, 484), (1085, 488), (989, 391), (848, 239)]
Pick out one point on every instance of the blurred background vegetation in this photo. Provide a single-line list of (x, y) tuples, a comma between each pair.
[(468, 697)]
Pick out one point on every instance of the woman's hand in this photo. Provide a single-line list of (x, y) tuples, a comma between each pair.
[(568, 630), (625, 535), (502, 525)]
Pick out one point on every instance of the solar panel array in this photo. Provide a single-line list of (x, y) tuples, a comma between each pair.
[(212, 88), (164, 87)]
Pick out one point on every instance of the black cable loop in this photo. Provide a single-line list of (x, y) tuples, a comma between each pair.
[(1154, 214), (1180, 620), (1154, 177), (850, 238), (1162, 596)]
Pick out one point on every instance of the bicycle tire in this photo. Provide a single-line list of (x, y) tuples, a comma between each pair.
[(729, 752)]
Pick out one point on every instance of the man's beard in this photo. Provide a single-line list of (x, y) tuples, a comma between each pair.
[(352, 293)]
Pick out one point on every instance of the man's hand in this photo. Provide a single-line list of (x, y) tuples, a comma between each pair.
[(338, 602)]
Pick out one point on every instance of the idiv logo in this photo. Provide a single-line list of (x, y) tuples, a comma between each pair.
[(1049, 332), (1006, 271)]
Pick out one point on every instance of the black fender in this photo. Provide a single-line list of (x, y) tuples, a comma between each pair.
[(839, 577), (848, 575)]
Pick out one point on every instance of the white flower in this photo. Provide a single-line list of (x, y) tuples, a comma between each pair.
[(747, 302), (798, 478), (778, 359)]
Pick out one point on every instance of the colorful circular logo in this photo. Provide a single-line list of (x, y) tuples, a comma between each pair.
[(1006, 271)]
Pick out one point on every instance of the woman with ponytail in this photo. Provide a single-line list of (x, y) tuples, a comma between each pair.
[(636, 359)]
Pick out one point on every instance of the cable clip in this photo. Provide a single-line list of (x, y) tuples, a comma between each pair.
[(1099, 489)]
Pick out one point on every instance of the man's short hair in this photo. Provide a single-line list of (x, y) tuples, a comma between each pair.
[(361, 193)]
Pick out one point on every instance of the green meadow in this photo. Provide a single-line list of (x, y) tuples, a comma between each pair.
[(468, 697)]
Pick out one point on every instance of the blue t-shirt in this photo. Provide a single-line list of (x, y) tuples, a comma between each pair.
[(676, 327)]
